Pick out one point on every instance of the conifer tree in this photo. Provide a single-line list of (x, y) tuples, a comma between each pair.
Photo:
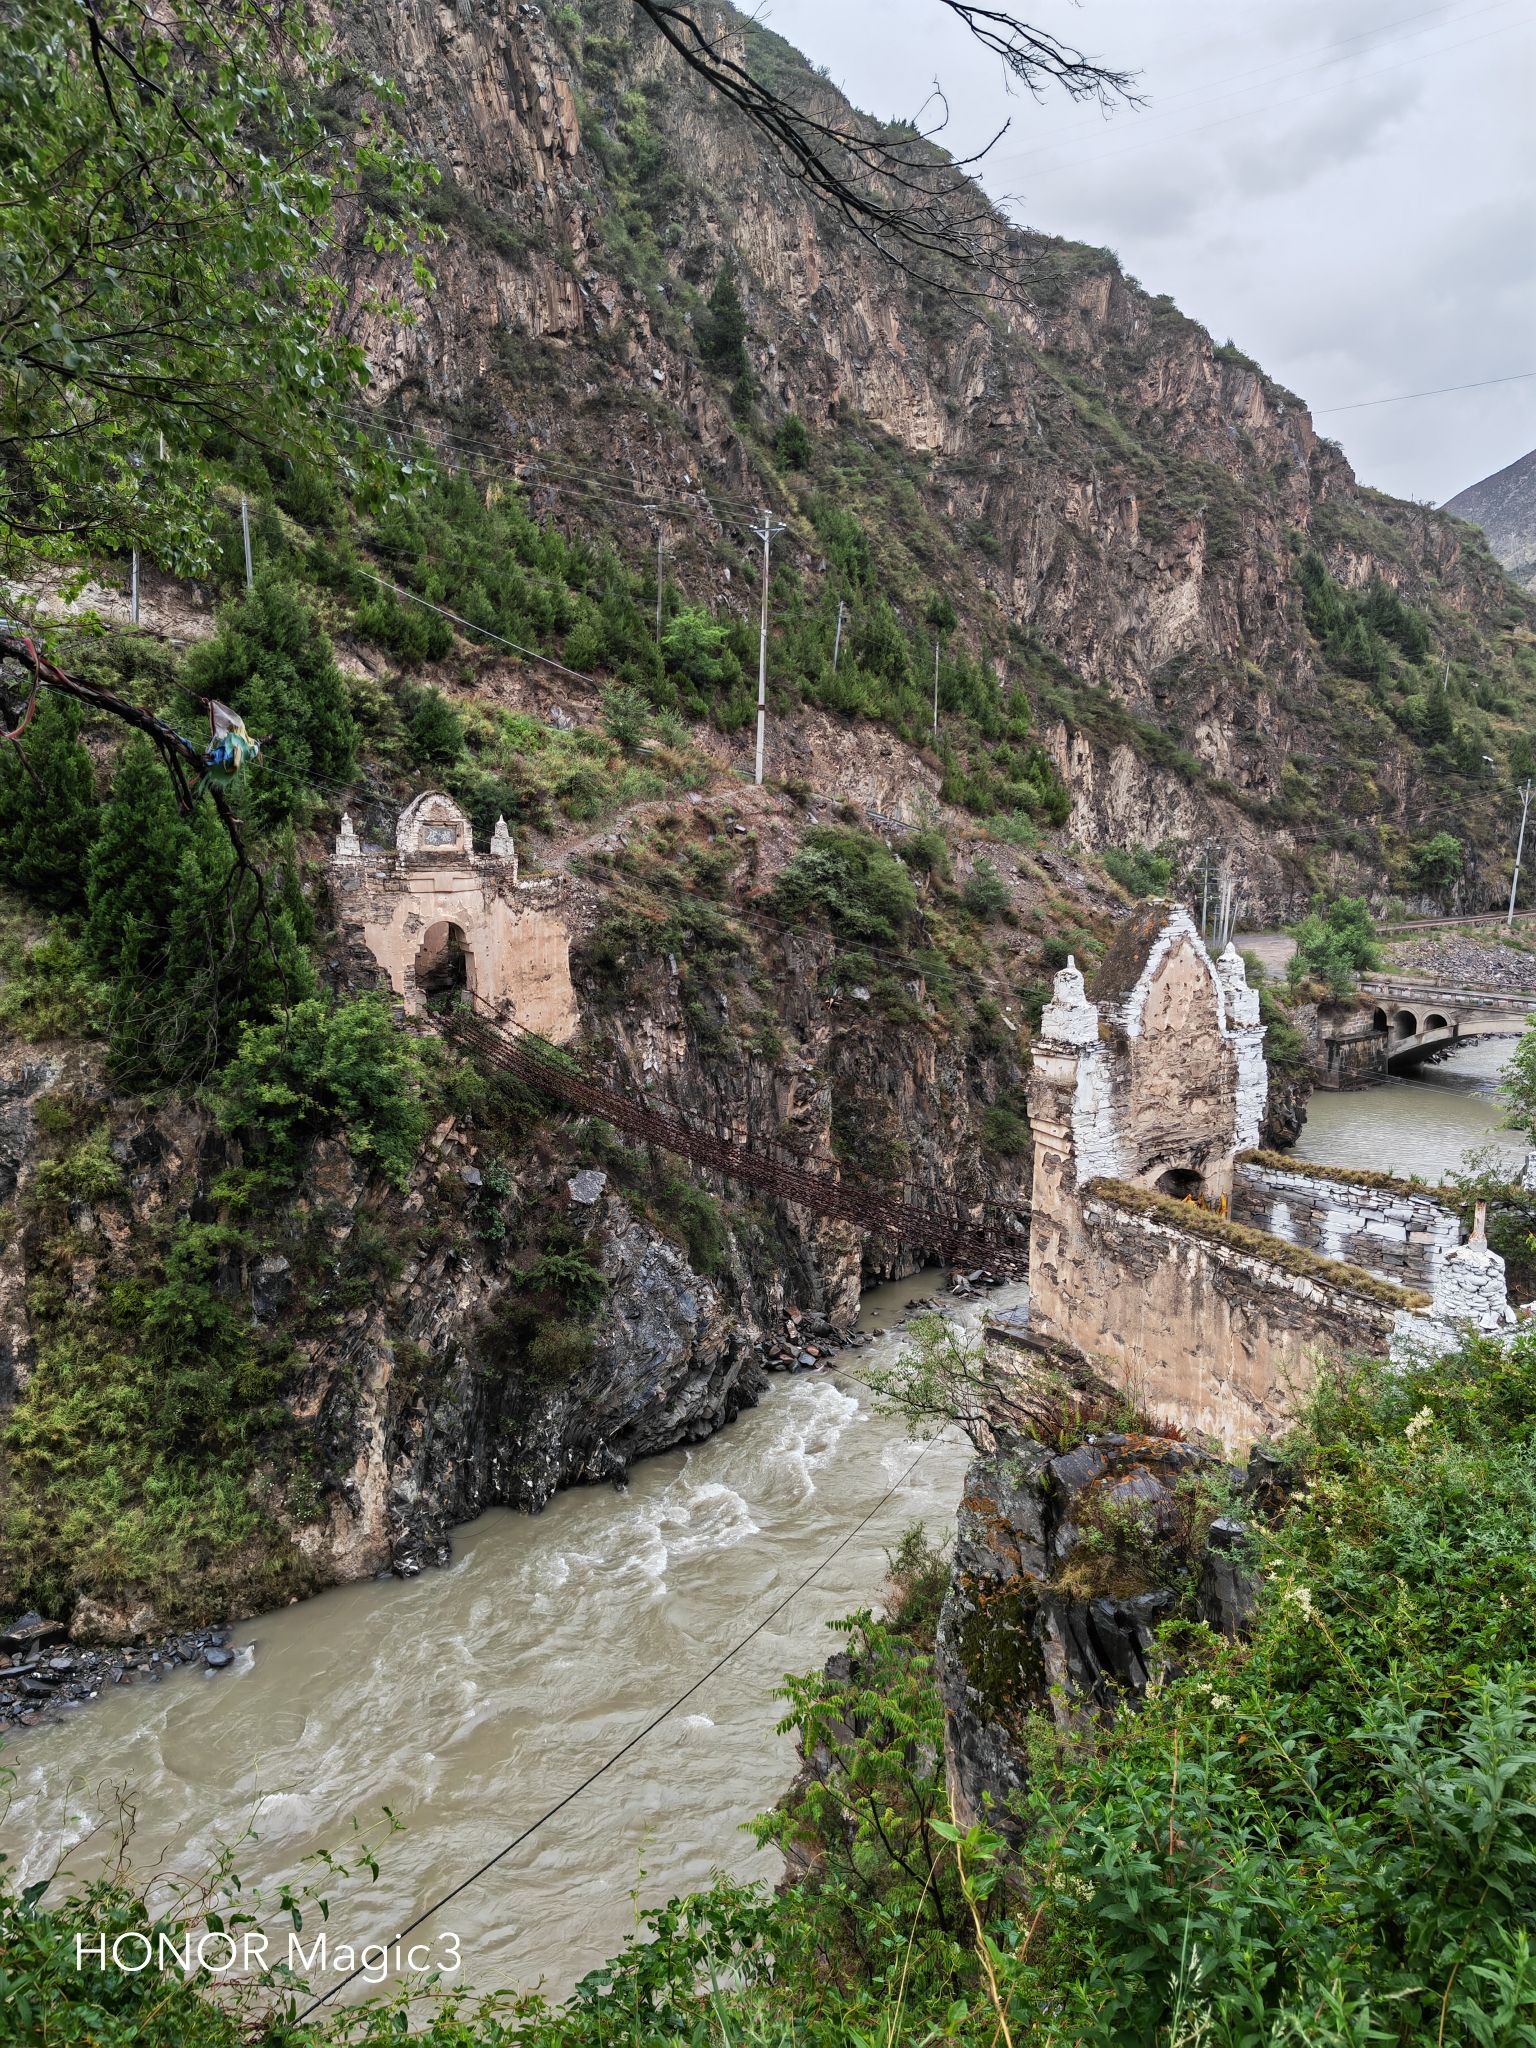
[(232, 956), (271, 661), (48, 807), (722, 331), (133, 867)]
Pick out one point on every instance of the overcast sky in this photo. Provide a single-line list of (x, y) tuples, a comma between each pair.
[(1345, 188)]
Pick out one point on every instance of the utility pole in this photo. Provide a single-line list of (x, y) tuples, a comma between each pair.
[(1445, 680), (245, 535), (765, 533), (837, 638), (936, 640), (659, 551), (1525, 806), (133, 589)]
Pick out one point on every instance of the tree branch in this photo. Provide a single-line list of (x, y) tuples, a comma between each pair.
[(918, 208)]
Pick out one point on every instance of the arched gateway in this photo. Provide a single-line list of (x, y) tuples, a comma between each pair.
[(439, 917)]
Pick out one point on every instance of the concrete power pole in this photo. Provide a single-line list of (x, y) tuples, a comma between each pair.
[(765, 533), (837, 638), (659, 552), (1525, 807), (245, 536), (133, 589)]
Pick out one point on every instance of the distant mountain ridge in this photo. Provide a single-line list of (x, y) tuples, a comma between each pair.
[(1504, 506)]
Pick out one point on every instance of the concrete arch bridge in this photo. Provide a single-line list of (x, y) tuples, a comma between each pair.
[(1411, 1022)]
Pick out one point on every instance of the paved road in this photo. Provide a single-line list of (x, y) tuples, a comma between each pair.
[(1273, 949)]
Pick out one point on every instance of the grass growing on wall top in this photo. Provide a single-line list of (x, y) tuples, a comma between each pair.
[(1334, 1274)]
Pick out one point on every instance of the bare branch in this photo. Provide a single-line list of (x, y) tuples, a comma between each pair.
[(917, 207)]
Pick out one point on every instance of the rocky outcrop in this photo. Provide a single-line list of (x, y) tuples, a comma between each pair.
[(1504, 506), (1065, 1564), (1120, 498), (1285, 1109)]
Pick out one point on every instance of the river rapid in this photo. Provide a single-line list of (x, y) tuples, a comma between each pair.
[(472, 1698)]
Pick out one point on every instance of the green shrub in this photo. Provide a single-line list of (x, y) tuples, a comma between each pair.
[(48, 807), (683, 1206), (1284, 1046), (985, 894), (1139, 870), (86, 1173), (571, 1275), (129, 1455), (1388, 1685), (721, 330), (320, 1069), (1005, 1131), (698, 654), (793, 442), (47, 990), (272, 661), (925, 852), (1335, 944), (626, 717), (200, 947), (851, 880), (434, 728), (1434, 864)]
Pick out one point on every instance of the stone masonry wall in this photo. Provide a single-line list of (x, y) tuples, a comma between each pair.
[(1402, 1236), (1200, 1333)]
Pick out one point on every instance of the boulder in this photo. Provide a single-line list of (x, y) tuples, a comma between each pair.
[(1060, 1579), (96, 1621)]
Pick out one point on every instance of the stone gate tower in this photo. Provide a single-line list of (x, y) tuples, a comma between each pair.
[(434, 913), (1159, 1080)]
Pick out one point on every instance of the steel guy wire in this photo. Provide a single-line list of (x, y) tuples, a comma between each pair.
[(634, 1742)]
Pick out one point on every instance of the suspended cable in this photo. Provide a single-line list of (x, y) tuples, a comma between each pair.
[(640, 1734), (557, 467), (1440, 391), (469, 626)]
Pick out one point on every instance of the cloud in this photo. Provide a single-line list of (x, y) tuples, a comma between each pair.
[(1349, 127), (1344, 186)]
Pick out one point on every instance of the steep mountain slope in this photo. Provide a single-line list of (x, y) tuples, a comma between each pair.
[(1224, 636), (1504, 506)]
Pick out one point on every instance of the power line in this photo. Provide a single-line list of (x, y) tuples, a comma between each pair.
[(469, 626), (639, 1736), (554, 469), (1402, 397)]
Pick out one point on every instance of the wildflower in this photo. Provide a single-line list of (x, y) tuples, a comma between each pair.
[(1220, 1700), (1417, 1424), (1300, 1596)]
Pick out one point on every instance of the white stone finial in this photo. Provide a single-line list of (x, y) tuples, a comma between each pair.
[(1242, 1001), (502, 848), (348, 846), (1069, 1018)]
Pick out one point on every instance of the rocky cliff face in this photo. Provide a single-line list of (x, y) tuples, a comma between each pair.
[(1065, 1566), (1119, 504), (425, 1361), (1504, 506)]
